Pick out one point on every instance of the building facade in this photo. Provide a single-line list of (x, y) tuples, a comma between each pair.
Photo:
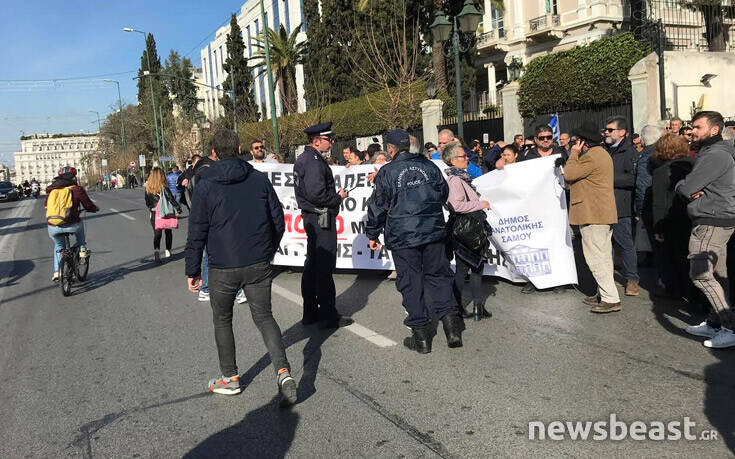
[(42, 155), (288, 13)]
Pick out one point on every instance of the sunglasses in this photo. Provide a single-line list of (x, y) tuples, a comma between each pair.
[(545, 137), (260, 147), (611, 130)]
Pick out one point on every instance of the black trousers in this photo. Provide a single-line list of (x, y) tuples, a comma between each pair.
[(256, 281), (475, 281), (317, 284), (425, 264), (157, 236)]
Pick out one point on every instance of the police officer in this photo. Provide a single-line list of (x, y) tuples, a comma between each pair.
[(407, 203), (319, 203)]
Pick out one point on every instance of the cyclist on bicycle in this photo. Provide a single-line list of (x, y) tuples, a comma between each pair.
[(72, 223)]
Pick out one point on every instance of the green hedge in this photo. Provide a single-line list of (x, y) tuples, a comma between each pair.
[(351, 118), (592, 75)]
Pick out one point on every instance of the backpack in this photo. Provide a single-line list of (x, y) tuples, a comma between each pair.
[(59, 206), (189, 190)]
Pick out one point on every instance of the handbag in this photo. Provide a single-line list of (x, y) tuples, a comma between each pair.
[(471, 230), (163, 223), (166, 208)]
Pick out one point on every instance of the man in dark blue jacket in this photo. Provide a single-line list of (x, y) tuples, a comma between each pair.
[(236, 214), (410, 192), (319, 203)]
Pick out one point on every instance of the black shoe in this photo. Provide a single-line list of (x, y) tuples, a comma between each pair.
[(157, 256), (420, 340), (308, 321), (465, 313), (479, 312), (339, 322), (453, 326), (528, 288)]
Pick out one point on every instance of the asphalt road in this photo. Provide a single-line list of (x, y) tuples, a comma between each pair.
[(119, 369)]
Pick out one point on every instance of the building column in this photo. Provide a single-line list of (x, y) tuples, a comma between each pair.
[(491, 89), (512, 119), (431, 115), (519, 23)]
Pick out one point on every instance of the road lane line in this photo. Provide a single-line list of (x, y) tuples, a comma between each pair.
[(122, 214), (359, 330)]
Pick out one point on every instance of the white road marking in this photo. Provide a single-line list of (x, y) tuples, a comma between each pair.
[(359, 330), (122, 214), (8, 239)]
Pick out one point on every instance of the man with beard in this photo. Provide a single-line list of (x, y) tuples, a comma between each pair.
[(710, 190), (258, 151)]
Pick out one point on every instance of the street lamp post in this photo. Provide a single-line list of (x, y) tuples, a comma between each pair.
[(122, 115), (442, 29), (99, 125), (234, 100), (272, 97), (150, 82)]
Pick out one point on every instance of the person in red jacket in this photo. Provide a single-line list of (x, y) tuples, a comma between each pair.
[(73, 223)]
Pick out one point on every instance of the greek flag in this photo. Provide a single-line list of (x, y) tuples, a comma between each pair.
[(554, 125)]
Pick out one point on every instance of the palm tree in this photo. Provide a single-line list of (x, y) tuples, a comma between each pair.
[(285, 54)]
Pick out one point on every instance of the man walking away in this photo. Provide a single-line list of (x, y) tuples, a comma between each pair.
[(407, 204), (235, 200), (172, 179), (624, 157), (589, 174), (710, 188)]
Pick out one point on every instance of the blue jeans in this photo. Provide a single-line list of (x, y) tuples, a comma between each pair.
[(56, 233), (623, 237), (205, 272)]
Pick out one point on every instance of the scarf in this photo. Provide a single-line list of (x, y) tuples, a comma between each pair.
[(461, 173)]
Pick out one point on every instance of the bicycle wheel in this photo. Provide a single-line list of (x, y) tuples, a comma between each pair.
[(82, 266), (67, 275)]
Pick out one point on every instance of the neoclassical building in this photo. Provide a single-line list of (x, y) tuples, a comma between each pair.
[(42, 155)]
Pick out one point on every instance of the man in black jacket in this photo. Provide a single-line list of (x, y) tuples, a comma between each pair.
[(624, 156), (410, 192), (237, 215), (319, 203)]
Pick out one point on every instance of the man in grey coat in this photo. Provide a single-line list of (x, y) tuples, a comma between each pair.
[(710, 189)]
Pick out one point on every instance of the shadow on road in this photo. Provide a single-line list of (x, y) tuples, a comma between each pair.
[(35, 226), (12, 221), (12, 271), (719, 396), (266, 432)]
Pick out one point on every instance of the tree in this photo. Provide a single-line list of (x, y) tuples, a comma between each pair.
[(138, 138), (160, 96), (285, 54), (385, 57), (181, 85), (714, 13), (236, 66)]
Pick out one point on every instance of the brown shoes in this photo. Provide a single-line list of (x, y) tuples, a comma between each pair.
[(631, 289), (603, 308), (591, 300)]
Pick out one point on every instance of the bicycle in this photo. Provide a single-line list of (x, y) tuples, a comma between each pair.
[(71, 265)]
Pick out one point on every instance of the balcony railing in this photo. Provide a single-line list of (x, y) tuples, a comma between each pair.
[(543, 22), (490, 36)]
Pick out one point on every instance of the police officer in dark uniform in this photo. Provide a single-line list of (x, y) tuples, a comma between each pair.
[(319, 203)]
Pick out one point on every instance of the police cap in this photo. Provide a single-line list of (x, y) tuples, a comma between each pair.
[(323, 129), (399, 138)]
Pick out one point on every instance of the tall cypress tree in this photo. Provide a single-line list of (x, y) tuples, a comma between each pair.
[(180, 83), (236, 65), (163, 105)]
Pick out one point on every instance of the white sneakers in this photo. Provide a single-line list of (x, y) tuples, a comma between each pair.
[(55, 277), (718, 337), (702, 329), (203, 296), (724, 338), (167, 254), (82, 252)]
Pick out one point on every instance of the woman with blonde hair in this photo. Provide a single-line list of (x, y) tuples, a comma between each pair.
[(155, 187)]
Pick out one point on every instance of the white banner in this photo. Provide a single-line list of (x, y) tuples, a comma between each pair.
[(538, 197)]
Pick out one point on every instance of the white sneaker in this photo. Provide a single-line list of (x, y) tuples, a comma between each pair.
[(702, 329), (167, 254), (241, 297), (82, 252), (203, 296), (55, 277), (724, 338)]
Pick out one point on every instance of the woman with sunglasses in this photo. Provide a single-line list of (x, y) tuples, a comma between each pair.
[(464, 199)]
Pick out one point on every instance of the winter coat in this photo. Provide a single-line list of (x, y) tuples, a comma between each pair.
[(590, 179), (407, 202), (669, 209), (315, 188), (624, 157), (236, 214)]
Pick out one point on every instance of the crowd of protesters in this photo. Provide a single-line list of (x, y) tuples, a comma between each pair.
[(672, 187)]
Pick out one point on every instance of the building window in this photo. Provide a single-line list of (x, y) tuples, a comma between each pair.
[(303, 22), (250, 43), (551, 7), (276, 16), (216, 67), (287, 16)]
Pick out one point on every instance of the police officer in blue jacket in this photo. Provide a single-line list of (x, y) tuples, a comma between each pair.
[(319, 203), (410, 192)]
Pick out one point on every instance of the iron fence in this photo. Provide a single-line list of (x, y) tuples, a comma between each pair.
[(696, 26)]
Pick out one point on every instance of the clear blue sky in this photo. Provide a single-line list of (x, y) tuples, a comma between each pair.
[(52, 39)]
